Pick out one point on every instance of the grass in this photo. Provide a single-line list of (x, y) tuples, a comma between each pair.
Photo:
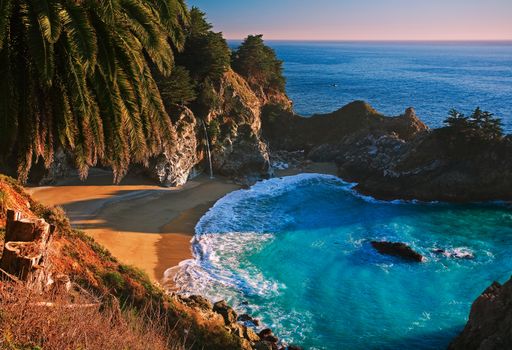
[(26, 325)]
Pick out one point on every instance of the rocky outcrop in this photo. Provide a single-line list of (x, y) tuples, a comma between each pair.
[(235, 129), (173, 168), (490, 321), (397, 157), (223, 313), (398, 249)]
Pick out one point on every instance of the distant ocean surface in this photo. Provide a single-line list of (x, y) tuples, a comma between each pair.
[(431, 77)]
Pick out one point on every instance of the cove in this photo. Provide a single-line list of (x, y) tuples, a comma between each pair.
[(295, 252)]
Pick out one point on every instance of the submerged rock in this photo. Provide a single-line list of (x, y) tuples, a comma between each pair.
[(398, 249), (458, 253), (490, 321)]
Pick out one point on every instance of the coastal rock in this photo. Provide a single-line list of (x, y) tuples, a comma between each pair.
[(173, 168), (235, 129), (264, 345), (398, 249), (198, 301), (62, 166), (248, 318), (397, 157), (226, 311), (490, 321)]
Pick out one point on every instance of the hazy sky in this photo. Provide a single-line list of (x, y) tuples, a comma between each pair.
[(362, 19)]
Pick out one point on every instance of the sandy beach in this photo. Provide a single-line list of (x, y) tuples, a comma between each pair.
[(143, 224)]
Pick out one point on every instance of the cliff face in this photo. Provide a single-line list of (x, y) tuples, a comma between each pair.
[(173, 168), (399, 157), (237, 148), (490, 321)]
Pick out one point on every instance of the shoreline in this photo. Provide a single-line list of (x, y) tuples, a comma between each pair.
[(143, 224)]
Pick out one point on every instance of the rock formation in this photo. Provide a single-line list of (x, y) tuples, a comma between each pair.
[(237, 148), (399, 157), (397, 249), (173, 168), (490, 321), (265, 339)]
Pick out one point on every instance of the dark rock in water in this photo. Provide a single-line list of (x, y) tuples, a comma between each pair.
[(227, 312), (265, 333), (438, 251), (490, 321), (399, 249), (248, 318), (293, 347)]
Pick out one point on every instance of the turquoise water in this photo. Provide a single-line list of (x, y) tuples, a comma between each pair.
[(295, 252), (433, 77)]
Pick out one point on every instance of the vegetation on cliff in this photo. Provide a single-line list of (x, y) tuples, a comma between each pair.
[(258, 64), (141, 314), (480, 124), (97, 81), (77, 75)]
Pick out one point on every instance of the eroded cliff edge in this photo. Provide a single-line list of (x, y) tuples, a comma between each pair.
[(490, 320), (397, 157)]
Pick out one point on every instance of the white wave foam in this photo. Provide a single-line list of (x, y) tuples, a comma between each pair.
[(217, 272)]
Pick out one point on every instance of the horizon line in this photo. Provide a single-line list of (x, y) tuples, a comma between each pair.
[(384, 40)]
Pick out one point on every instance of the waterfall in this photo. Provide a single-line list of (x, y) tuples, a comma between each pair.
[(208, 148)]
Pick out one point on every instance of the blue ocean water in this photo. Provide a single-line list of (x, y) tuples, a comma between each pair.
[(431, 77), (296, 253)]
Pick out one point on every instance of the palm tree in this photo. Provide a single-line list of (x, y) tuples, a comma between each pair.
[(77, 74)]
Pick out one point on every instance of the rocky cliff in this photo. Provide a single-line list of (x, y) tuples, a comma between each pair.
[(490, 321), (235, 122), (397, 157)]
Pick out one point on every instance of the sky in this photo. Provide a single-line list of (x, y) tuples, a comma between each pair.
[(361, 19)]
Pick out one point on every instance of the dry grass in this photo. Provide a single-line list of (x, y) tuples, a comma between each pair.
[(26, 325)]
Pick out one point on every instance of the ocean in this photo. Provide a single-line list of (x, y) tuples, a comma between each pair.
[(295, 252), (432, 77)]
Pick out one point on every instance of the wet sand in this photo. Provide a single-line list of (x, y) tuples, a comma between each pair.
[(142, 224)]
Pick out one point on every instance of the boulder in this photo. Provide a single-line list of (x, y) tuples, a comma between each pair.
[(226, 311), (248, 318), (398, 249)]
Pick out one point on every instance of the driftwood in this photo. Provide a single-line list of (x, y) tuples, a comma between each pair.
[(26, 247), (65, 306)]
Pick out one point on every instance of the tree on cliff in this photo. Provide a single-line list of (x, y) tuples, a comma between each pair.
[(75, 74), (258, 64), (206, 54), (479, 124), (178, 88)]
